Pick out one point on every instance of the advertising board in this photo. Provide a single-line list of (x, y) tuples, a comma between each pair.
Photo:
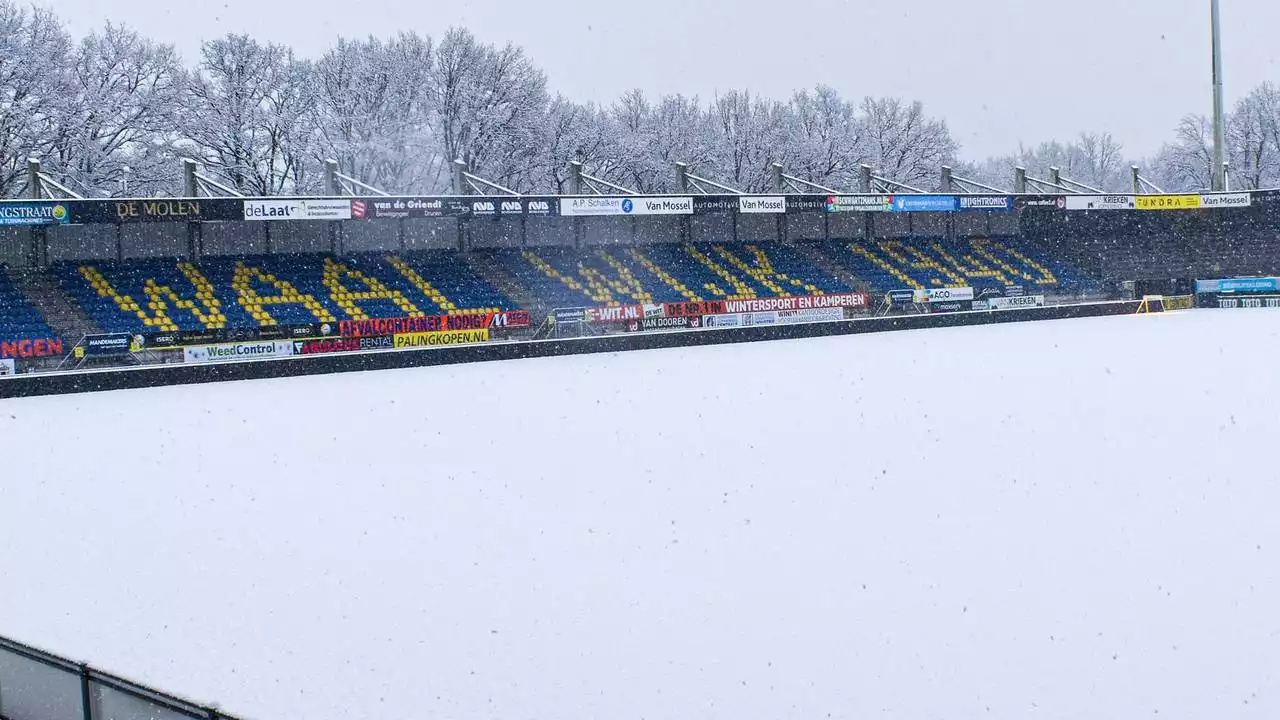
[(613, 314), (694, 309), (383, 327), (762, 205), (986, 203), (1248, 303), (1016, 302), (407, 208), (33, 213), (1239, 285), (8, 367), (1219, 201), (664, 323), (943, 294), (951, 306), (441, 339), (1167, 202), (1101, 202), (588, 206), (28, 348), (805, 302), (859, 203), (925, 203), (114, 344), (237, 351), (901, 297), (569, 315), (291, 209)]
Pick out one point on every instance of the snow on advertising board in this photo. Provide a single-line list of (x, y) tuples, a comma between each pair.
[(577, 207), (8, 367), (237, 351), (289, 209)]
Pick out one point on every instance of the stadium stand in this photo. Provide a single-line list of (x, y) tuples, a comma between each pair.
[(894, 264), (564, 277), (260, 291), (156, 295), (19, 319)]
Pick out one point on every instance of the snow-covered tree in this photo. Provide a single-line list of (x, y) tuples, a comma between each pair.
[(374, 113), (248, 116), (488, 104), (904, 144), (125, 91), (34, 88)]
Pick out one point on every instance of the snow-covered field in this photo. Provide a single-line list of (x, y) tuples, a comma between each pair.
[(1060, 520)]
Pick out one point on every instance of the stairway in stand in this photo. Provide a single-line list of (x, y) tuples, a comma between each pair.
[(829, 266), (506, 283), (65, 317)]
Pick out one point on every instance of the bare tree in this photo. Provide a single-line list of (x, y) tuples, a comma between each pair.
[(1096, 160), (1253, 137), (573, 132)]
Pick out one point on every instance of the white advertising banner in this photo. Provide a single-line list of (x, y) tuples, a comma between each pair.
[(1014, 303), (577, 207), (1226, 200), (237, 351), (8, 367), (1101, 202), (761, 205), (944, 294), (297, 209)]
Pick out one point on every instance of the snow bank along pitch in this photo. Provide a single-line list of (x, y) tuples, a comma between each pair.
[(1072, 519)]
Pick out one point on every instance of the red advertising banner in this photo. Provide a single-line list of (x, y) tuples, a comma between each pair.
[(386, 327), (29, 348), (694, 309), (614, 314), (807, 302)]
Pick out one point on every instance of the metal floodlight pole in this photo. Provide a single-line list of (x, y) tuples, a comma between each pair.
[(1219, 132)]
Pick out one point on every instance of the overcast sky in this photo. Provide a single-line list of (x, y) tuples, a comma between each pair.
[(1000, 71)]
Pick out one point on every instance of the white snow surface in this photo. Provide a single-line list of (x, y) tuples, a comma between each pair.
[(1058, 520)]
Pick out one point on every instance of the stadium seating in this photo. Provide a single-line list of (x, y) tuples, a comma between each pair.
[(893, 264), (153, 295), (19, 319), (260, 291), (563, 277)]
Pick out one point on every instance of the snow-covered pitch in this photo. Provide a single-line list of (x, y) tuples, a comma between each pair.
[(1062, 520)]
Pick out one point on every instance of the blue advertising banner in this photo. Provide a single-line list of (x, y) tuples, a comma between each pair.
[(33, 213), (987, 203), (1239, 285), (925, 203)]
